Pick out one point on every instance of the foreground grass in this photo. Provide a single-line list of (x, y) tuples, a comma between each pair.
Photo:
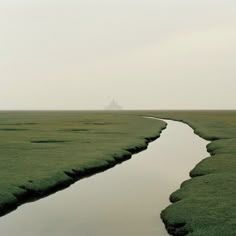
[(206, 204), (42, 152)]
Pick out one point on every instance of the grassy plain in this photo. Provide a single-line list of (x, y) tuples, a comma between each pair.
[(206, 204), (42, 152)]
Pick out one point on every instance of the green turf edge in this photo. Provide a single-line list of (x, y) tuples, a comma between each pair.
[(205, 205), (59, 182)]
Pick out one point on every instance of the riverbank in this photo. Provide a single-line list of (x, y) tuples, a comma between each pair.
[(43, 152), (124, 200), (32, 142), (205, 205)]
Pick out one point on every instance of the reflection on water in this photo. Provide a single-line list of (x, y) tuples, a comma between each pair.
[(125, 200)]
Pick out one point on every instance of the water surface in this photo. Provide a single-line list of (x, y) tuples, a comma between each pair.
[(125, 200)]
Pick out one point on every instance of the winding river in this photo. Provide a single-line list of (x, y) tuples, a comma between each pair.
[(125, 200)]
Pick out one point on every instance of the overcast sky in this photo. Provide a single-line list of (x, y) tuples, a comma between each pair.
[(147, 54)]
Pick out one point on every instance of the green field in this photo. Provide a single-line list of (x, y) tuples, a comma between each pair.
[(42, 152), (206, 204)]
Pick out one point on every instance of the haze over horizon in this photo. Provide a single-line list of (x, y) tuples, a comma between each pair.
[(78, 55)]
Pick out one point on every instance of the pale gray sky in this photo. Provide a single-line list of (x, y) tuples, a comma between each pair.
[(148, 54)]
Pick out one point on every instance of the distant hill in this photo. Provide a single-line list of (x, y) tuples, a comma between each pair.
[(113, 106)]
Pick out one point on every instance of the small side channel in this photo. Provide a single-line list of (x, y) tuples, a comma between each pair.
[(124, 200)]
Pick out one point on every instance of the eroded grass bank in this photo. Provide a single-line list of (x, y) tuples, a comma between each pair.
[(206, 204), (42, 152)]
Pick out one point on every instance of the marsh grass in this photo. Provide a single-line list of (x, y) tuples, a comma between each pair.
[(206, 204), (54, 149)]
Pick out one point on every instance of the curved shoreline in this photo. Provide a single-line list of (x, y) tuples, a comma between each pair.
[(30, 195), (204, 204), (179, 229), (154, 174)]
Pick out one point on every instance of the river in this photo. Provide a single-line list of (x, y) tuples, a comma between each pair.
[(125, 200)]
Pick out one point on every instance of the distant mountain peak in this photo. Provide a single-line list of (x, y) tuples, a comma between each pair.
[(113, 106)]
